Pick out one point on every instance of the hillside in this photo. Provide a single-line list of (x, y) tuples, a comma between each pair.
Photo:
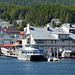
[(34, 2), (37, 15)]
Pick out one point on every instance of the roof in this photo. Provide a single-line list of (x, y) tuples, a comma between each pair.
[(69, 26), (6, 45), (21, 32), (25, 36), (72, 36), (11, 30), (41, 33), (44, 34), (5, 30), (49, 33)]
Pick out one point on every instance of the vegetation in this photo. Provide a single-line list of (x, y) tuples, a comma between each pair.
[(34, 2), (37, 15)]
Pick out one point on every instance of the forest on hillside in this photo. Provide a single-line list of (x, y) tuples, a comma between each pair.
[(34, 2), (37, 15)]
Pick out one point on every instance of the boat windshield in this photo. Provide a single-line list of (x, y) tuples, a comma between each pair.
[(31, 52)]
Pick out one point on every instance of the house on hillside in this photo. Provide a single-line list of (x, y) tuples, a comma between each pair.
[(19, 22), (56, 21), (4, 24)]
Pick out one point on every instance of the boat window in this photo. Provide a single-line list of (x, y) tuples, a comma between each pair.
[(26, 52), (23, 52), (30, 52), (27, 45)]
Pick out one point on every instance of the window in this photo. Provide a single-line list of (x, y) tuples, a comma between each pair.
[(51, 41), (73, 42), (55, 49), (23, 52), (59, 36), (20, 42), (2, 42), (11, 42), (72, 31), (62, 40), (12, 36), (28, 40), (63, 46), (55, 41), (2, 36), (63, 36), (40, 41), (17, 36), (51, 49)]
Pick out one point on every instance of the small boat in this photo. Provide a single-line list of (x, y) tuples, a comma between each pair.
[(49, 58), (30, 53), (5, 51), (53, 58), (56, 58)]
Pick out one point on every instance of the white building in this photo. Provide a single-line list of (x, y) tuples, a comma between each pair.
[(51, 38)]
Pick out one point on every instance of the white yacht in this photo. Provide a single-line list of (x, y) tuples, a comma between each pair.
[(5, 51), (30, 53)]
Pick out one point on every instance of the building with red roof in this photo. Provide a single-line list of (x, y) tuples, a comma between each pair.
[(9, 35)]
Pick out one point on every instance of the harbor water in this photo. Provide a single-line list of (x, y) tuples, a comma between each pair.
[(13, 66)]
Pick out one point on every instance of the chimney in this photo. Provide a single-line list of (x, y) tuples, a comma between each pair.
[(28, 29), (48, 28), (70, 25)]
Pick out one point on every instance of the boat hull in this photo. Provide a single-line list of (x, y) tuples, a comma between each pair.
[(31, 57), (37, 58)]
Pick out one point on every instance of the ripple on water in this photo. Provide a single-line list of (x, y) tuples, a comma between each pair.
[(12, 66)]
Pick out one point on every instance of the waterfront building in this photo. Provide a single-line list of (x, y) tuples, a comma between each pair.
[(9, 35), (49, 38)]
